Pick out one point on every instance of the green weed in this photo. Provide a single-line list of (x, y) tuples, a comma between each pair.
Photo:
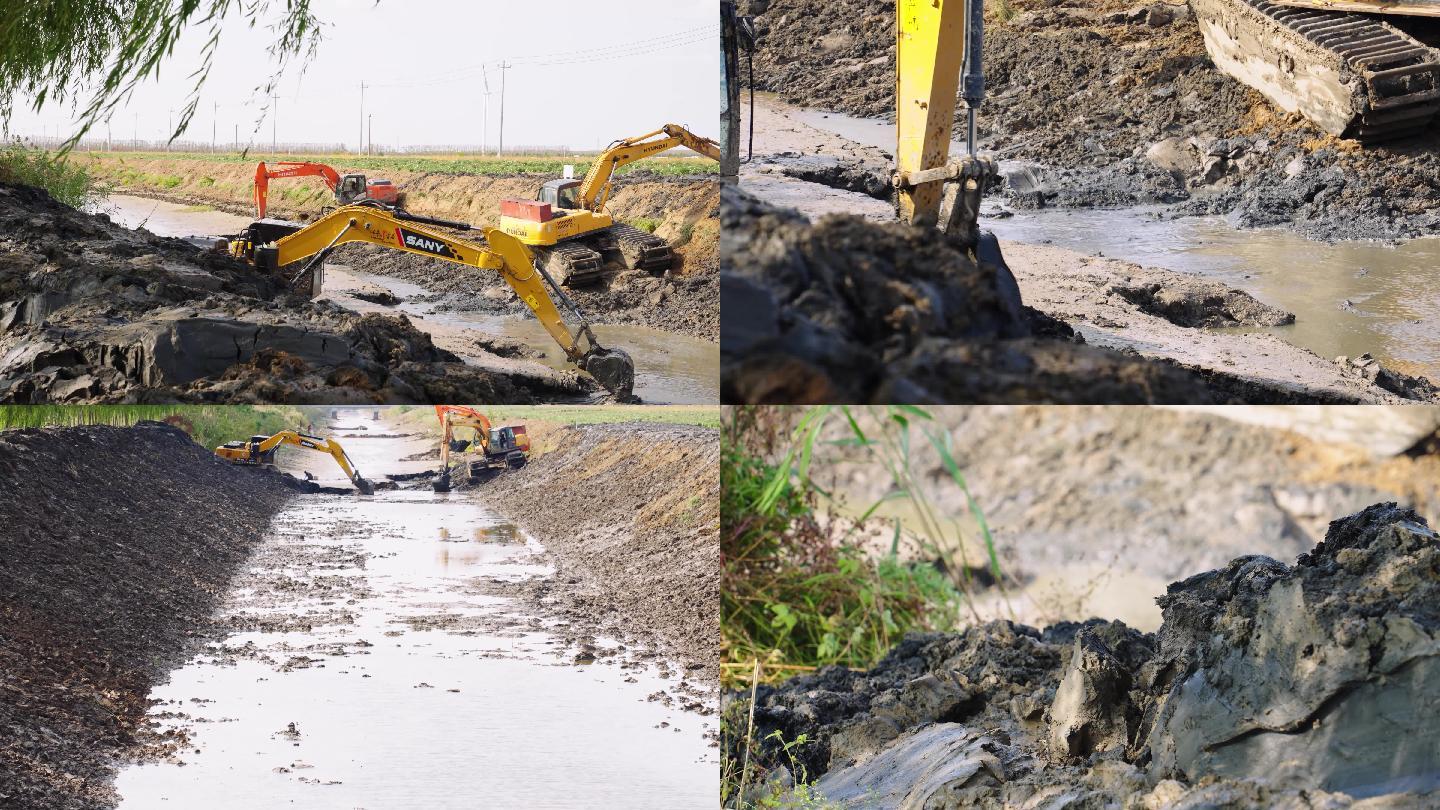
[(210, 425), (67, 182)]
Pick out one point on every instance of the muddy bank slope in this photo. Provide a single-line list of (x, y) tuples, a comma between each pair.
[(1117, 103), (93, 312), (1104, 505), (118, 544), (849, 310), (1307, 685), (629, 513)]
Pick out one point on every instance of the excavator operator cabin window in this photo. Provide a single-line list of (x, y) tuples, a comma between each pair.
[(569, 196)]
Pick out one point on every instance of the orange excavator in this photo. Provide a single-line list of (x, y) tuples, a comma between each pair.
[(349, 189), (500, 448)]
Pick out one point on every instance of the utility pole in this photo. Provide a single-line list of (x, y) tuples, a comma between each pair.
[(135, 133), (237, 137), (214, 122), (361, 147), (504, 66), (274, 117), (370, 126), (485, 121), (170, 129)]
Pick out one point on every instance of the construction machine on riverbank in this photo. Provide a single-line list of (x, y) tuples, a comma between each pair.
[(496, 449), (348, 189), (1358, 69), (260, 450), (272, 244), (567, 227)]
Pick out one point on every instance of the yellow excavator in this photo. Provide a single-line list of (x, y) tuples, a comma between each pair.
[(261, 450), (567, 226), (937, 57), (500, 448), (272, 244)]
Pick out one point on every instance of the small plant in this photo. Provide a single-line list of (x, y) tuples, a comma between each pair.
[(1005, 11), (68, 182), (646, 224), (687, 232)]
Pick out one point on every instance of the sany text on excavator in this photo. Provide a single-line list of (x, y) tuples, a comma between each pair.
[(935, 41), (348, 189), (272, 244), (261, 450), (501, 448), (568, 229)]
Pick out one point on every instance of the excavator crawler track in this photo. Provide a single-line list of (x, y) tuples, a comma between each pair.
[(640, 250), (572, 264), (1353, 75)]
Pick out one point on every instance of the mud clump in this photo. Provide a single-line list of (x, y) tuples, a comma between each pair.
[(852, 311), (1116, 103), (1310, 685), (99, 599), (92, 312)]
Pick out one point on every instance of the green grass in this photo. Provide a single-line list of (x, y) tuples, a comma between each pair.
[(67, 181), (646, 224), (442, 164), (212, 425)]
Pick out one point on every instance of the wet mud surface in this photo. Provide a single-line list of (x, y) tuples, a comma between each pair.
[(403, 614), (94, 312), (99, 599), (1117, 104), (1234, 342), (846, 309), (1267, 684)]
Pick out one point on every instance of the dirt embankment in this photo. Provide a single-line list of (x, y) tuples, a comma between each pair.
[(1117, 103), (850, 310), (629, 513), (682, 210), (1105, 505), (92, 312), (1308, 685), (118, 544)]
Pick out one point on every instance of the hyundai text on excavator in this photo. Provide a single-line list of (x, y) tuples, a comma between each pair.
[(348, 189), (271, 244), (568, 229), (261, 450), (500, 448), (937, 40)]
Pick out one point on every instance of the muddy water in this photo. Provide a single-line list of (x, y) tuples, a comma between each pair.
[(405, 687), (1348, 298), (669, 368)]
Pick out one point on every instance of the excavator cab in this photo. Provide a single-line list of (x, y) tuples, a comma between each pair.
[(561, 194), (351, 188)]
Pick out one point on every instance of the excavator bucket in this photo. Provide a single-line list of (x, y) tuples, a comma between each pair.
[(613, 369), (441, 482), (365, 487)]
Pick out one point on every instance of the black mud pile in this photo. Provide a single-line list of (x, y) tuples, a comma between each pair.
[(1307, 686), (92, 312), (1117, 103), (629, 513), (116, 545), (847, 310)]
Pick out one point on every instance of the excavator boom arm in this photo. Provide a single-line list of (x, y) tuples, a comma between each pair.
[(322, 445), (501, 252), (929, 50), (595, 189), (264, 175)]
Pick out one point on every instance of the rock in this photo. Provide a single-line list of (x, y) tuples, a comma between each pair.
[(1173, 154)]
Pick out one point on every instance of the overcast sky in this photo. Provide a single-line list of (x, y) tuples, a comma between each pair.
[(584, 73)]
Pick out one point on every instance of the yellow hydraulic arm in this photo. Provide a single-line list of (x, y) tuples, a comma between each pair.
[(935, 40), (503, 253), (458, 416), (596, 187), (261, 450)]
